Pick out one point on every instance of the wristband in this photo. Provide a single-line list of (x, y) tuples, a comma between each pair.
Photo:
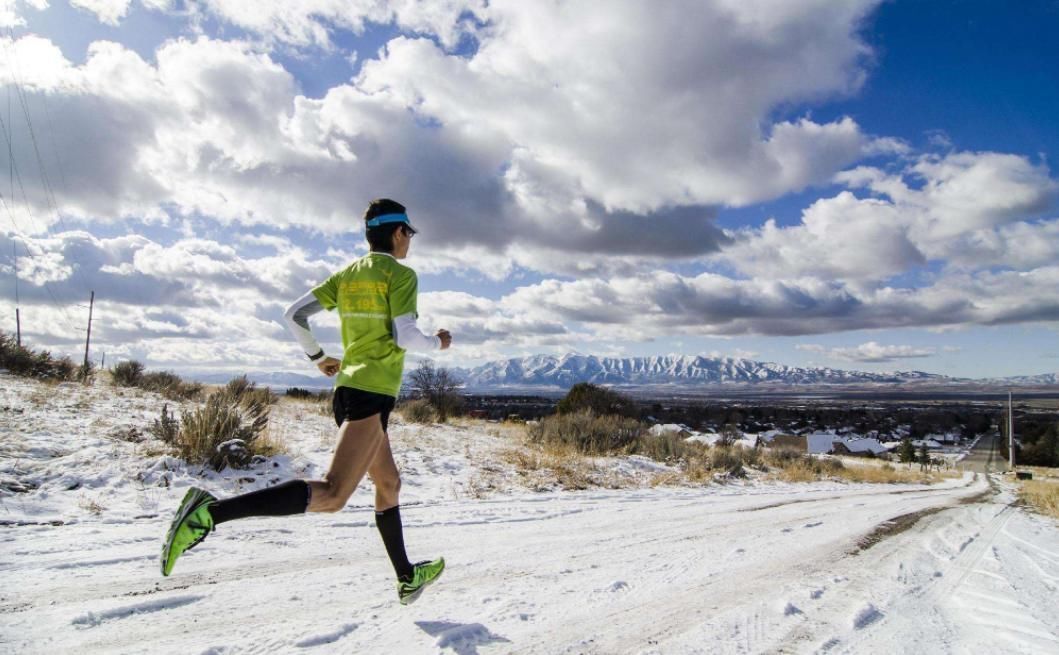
[(317, 356)]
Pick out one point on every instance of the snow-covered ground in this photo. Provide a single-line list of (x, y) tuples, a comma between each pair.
[(740, 568)]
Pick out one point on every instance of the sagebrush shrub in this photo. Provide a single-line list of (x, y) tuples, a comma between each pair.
[(166, 428), (588, 433), (131, 373), (224, 431), (170, 385), (127, 374), (241, 389), (298, 393), (20, 360), (666, 447), (418, 410)]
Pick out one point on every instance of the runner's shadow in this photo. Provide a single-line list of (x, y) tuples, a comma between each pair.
[(462, 638)]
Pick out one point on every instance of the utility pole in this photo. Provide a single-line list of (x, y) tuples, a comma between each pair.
[(1011, 435), (91, 301), (18, 311)]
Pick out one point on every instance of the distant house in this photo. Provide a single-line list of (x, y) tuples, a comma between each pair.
[(859, 447), (820, 443)]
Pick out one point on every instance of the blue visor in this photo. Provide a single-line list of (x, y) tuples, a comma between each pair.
[(391, 218)]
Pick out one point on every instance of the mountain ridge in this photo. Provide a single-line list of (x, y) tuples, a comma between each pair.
[(675, 371)]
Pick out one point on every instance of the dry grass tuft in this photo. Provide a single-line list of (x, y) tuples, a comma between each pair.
[(91, 505), (548, 466), (1042, 495), (793, 466), (417, 411)]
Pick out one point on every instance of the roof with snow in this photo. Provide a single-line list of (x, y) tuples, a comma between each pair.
[(869, 445)]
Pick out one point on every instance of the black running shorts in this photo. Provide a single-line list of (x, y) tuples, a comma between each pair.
[(355, 404)]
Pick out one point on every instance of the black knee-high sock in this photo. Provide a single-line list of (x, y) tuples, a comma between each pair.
[(389, 524), (291, 497)]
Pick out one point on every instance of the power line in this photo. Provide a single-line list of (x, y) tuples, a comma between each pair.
[(49, 193), (54, 301), (16, 175)]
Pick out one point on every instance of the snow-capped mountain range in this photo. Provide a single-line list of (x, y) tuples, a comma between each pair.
[(547, 372), (564, 371)]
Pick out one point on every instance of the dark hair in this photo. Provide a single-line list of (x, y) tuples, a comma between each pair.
[(380, 239)]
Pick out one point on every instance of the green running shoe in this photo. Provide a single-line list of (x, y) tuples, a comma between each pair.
[(191, 525), (424, 574)]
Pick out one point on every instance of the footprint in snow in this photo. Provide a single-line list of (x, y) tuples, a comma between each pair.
[(462, 638), (327, 637), (815, 594), (865, 616), (93, 619), (790, 609), (813, 525)]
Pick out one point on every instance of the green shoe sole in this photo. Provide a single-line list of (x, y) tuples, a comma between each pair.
[(193, 500), (408, 595)]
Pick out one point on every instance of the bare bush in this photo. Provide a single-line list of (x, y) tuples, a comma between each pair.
[(439, 387)]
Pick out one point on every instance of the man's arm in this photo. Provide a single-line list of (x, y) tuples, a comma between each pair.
[(297, 319), (408, 336)]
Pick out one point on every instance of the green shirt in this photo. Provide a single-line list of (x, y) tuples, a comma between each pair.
[(369, 294)]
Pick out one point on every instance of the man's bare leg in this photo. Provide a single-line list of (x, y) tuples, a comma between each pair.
[(387, 479), (358, 442), (384, 474)]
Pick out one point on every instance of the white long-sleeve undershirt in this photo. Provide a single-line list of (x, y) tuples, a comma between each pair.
[(297, 316), (406, 333)]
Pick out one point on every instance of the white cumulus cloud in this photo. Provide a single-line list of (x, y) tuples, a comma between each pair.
[(870, 352)]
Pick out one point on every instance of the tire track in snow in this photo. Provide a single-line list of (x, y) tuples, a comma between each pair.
[(667, 612)]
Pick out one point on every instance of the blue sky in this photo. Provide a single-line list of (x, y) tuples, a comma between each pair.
[(866, 187)]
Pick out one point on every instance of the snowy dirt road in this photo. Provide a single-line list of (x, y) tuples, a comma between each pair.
[(656, 571), (747, 567)]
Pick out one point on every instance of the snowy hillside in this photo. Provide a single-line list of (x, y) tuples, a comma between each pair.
[(745, 567)]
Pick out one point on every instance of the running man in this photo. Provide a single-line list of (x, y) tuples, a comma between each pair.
[(376, 301)]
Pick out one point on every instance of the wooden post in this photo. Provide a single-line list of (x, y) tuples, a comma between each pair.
[(88, 339), (14, 250)]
